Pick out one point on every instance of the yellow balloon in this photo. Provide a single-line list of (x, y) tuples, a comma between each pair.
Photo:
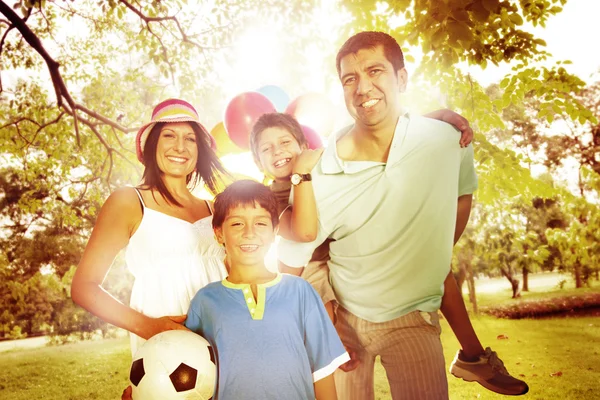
[(224, 144)]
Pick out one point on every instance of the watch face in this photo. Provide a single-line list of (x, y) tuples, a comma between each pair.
[(295, 179)]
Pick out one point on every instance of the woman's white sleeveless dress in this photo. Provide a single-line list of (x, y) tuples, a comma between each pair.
[(171, 259)]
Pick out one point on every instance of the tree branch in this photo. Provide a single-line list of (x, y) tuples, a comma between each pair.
[(10, 27), (59, 85), (147, 20), (165, 55)]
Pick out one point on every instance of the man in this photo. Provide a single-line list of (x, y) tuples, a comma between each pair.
[(394, 193)]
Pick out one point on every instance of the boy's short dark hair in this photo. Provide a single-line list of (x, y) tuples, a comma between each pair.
[(244, 192), (370, 40), (275, 120)]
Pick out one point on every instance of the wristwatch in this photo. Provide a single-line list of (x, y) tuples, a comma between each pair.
[(297, 179)]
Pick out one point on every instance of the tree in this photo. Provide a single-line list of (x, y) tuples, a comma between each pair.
[(66, 130), (578, 244), (580, 140), (541, 215)]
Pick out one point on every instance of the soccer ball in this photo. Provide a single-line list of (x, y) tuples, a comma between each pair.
[(174, 365)]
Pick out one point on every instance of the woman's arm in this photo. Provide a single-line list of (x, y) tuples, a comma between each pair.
[(116, 222)]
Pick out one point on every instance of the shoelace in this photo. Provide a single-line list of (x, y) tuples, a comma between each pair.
[(496, 363)]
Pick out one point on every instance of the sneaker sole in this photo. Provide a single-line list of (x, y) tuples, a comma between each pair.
[(468, 376)]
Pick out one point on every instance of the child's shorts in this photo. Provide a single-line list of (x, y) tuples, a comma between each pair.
[(317, 274)]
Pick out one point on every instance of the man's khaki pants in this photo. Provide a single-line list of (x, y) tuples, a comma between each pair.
[(410, 350)]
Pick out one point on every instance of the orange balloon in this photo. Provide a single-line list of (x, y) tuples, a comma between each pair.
[(224, 144), (313, 110)]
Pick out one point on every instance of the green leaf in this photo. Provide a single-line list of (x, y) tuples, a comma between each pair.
[(480, 13), (460, 14), (459, 31), (516, 19), (490, 5), (438, 37)]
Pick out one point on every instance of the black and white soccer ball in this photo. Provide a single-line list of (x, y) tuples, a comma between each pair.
[(174, 365)]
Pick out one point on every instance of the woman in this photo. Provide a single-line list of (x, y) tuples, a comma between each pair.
[(171, 249)]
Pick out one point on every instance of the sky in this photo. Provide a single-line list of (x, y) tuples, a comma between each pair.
[(569, 35)]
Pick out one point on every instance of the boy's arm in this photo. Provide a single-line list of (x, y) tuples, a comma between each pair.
[(301, 230), (301, 224), (325, 389), (286, 269), (193, 321), (457, 120), (462, 215), (325, 350)]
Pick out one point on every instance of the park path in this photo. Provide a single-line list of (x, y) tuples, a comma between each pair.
[(27, 343)]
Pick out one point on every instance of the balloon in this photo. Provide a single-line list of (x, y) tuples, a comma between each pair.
[(314, 110), (224, 145), (241, 114), (276, 95), (313, 139)]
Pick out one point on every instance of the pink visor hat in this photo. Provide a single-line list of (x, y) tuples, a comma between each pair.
[(171, 110)]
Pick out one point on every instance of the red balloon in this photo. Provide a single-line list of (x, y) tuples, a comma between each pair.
[(313, 139), (314, 110), (241, 114)]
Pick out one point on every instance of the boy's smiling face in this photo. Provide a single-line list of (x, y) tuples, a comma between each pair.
[(247, 233), (277, 152)]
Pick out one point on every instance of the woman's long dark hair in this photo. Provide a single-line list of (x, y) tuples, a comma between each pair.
[(208, 166)]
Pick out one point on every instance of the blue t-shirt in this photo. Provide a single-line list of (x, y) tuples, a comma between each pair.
[(272, 348)]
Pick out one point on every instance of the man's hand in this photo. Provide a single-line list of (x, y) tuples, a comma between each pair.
[(306, 161), (459, 122)]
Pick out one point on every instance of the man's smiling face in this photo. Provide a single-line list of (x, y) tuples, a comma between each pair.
[(371, 87)]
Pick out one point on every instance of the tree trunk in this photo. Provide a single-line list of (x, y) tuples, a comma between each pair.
[(471, 285), (525, 279), (460, 275), (597, 273), (578, 277), (514, 283)]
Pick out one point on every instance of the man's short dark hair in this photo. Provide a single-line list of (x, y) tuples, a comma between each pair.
[(243, 193), (275, 120), (370, 40)]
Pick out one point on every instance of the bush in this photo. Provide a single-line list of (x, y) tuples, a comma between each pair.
[(546, 307)]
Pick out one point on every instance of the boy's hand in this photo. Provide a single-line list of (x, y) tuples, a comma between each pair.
[(306, 161), (353, 363), (127, 393), (459, 122)]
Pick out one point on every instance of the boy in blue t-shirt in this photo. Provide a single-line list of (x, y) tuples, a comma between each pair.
[(272, 335)]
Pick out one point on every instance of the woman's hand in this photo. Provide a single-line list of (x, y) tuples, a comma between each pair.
[(162, 324)]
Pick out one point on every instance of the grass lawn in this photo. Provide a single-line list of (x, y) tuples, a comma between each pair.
[(496, 291), (534, 348)]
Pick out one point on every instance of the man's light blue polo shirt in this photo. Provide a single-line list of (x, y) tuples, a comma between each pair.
[(393, 223)]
